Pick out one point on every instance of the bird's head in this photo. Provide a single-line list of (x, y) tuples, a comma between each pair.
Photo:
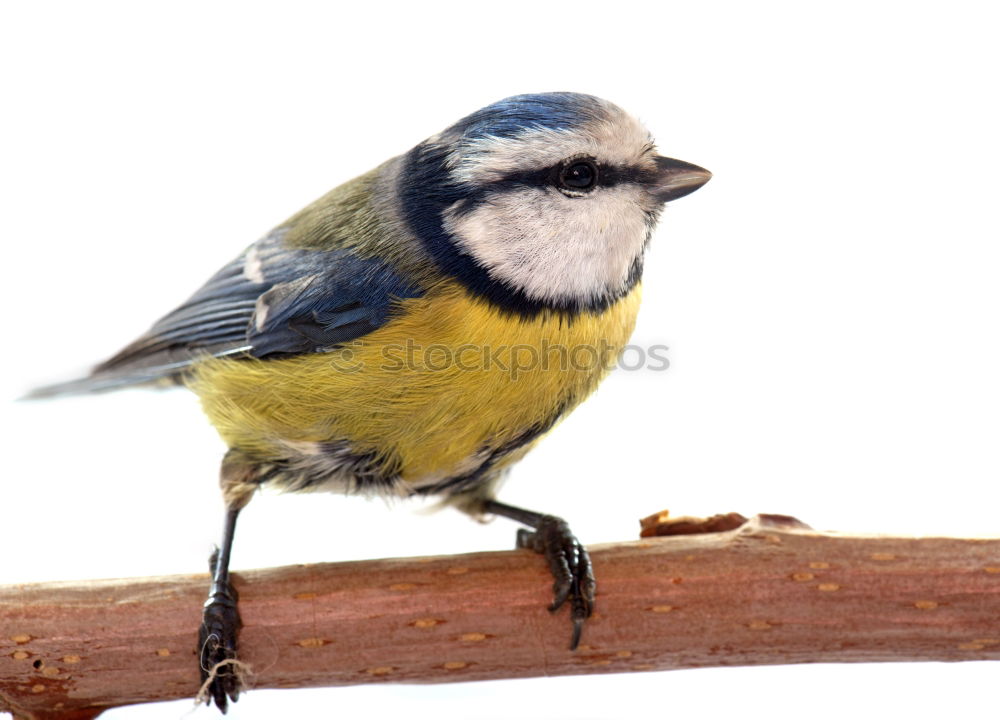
[(542, 201)]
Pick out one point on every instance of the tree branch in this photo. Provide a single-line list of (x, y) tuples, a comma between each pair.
[(769, 592)]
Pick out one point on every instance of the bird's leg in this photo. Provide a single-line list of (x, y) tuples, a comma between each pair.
[(568, 560), (220, 624)]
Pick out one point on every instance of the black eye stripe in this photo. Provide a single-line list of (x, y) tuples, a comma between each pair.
[(620, 174), (607, 176)]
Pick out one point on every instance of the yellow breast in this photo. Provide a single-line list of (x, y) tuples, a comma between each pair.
[(426, 394)]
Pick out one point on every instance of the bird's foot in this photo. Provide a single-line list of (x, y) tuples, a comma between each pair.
[(220, 627), (570, 566)]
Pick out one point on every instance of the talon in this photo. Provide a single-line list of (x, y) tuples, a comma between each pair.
[(561, 591), (574, 642), (568, 560), (570, 565), (217, 640)]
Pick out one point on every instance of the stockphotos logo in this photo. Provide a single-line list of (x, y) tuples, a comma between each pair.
[(514, 360)]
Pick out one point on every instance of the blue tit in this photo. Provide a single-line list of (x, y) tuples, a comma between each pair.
[(418, 329)]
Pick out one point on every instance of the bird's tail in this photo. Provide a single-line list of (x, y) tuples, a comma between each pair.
[(101, 383)]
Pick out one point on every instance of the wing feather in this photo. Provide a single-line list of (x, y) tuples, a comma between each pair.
[(272, 300)]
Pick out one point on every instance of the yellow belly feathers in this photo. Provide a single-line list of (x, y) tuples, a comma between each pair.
[(425, 393)]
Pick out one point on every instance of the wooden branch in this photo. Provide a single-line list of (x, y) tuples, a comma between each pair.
[(766, 593)]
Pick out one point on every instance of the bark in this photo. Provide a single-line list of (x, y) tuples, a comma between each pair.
[(768, 592)]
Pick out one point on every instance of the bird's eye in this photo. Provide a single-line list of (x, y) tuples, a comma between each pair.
[(579, 175)]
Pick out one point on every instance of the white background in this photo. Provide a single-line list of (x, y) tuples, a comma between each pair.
[(830, 299)]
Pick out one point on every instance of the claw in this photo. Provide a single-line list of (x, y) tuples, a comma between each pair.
[(574, 642), (217, 639), (570, 566)]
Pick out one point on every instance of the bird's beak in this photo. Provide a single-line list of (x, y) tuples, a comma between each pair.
[(676, 178)]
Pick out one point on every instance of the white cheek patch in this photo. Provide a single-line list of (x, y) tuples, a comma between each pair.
[(553, 247), (620, 140)]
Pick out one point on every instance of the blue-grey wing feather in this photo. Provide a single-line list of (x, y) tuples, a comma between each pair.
[(271, 301)]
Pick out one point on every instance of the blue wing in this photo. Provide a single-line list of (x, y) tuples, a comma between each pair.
[(272, 300)]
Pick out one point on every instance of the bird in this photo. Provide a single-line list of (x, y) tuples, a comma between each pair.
[(418, 329)]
